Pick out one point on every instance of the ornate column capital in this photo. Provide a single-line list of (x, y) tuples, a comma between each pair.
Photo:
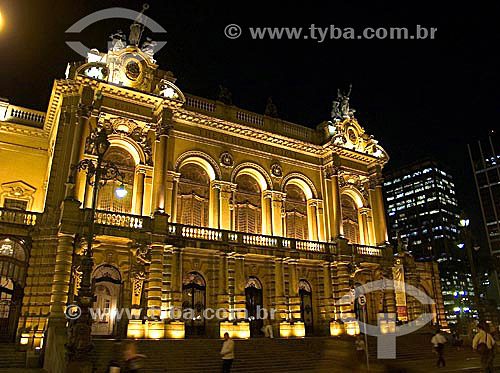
[(331, 170)]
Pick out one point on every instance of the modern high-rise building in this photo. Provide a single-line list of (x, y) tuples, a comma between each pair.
[(422, 207), (485, 160), (422, 211)]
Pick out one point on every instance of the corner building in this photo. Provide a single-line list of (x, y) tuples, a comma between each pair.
[(225, 209)]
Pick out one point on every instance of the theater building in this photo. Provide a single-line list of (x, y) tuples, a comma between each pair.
[(224, 208)]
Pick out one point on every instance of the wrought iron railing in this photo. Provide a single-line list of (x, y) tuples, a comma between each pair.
[(18, 216)]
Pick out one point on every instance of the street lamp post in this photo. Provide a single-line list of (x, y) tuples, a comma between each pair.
[(464, 225), (99, 172)]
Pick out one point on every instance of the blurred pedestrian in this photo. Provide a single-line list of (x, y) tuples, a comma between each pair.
[(131, 357), (360, 350), (438, 341), (227, 353), (484, 344), (268, 329)]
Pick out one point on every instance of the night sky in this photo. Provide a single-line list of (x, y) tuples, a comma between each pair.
[(417, 97)]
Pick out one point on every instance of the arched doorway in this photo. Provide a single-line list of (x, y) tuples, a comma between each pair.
[(306, 306), (253, 295), (193, 299), (13, 264), (107, 289)]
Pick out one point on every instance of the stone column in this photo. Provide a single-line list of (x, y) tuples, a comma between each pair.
[(239, 285), (277, 207), (62, 276), (177, 276), (267, 221), (155, 281), (80, 138), (377, 204), (344, 307), (214, 203), (279, 289), (226, 193), (223, 284), (312, 219), (364, 227), (139, 190), (160, 160), (321, 221), (327, 292), (171, 186), (334, 207), (293, 286)]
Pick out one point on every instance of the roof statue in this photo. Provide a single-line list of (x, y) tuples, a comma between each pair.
[(271, 109), (137, 27), (340, 106)]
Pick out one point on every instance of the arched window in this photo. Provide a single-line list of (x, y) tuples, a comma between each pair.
[(12, 249), (296, 213), (107, 200), (192, 196), (350, 223), (248, 205)]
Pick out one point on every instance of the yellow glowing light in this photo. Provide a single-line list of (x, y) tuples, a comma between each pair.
[(175, 330), (135, 329), (241, 330), (1, 20), (336, 328), (25, 337), (297, 329)]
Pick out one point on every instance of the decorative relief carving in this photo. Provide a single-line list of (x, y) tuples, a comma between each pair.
[(226, 160), (276, 171)]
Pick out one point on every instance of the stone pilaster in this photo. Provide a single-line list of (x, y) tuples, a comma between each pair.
[(155, 281)]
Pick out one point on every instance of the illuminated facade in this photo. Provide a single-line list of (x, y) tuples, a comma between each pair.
[(423, 210), (225, 209)]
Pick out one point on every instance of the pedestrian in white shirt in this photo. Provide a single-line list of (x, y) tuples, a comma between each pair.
[(484, 343), (227, 353), (438, 340)]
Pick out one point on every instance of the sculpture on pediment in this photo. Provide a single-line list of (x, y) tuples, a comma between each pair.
[(271, 109), (137, 27), (225, 95), (148, 48), (118, 40), (340, 106)]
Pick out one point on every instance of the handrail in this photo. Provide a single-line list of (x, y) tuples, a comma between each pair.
[(367, 250), (119, 219), (18, 216)]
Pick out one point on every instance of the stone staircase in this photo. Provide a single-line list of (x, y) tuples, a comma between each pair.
[(10, 357), (254, 355)]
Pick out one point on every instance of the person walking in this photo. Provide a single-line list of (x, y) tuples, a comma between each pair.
[(438, 341), (227, 353), (360, 350), (131, 357), (484, 344)]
